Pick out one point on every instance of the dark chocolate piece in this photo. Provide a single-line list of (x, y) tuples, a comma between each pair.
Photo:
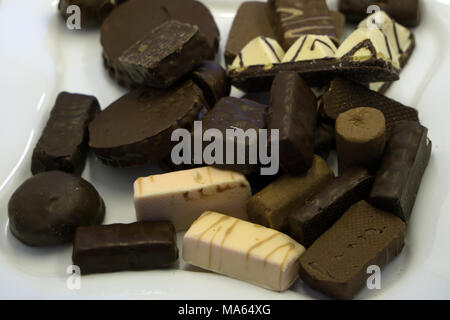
[(132, 20), (63, 144), (324, 141), (336, 264), (322, 210), (213, 80), (406, 157), (93, 12), (136, 129), (339, 22), (344, 95), (119, 247), (243, 114), (166, 54), (293, 111), (272, 205), (251, 21), (294, 18), (360, 138), (47, 208), (406, 12)]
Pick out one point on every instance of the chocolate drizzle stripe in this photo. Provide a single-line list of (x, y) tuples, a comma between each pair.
[(258, 244), (387, 45), (322, 42), (271, 48), (299, 49), (241, 63), (291, 247), (210, 227), (227, 234), (275, 250), (397, 41), (307, 19), (211, 244), (367, 44), (302, 29)]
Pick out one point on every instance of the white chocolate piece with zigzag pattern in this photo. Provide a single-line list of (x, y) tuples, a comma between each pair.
[(243, 250)]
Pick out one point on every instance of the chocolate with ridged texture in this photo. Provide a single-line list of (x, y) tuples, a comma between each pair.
[(406, 12), (120, 247), (321, 211), (234, 113), (404, 162), (63, 144), (213, 80), (293, 111), (360, 138), (136, 129), (251, 21), (93, 12), (132, 20), (336, 264), (272, 205), (294, 18), (344, 95), (47, 208), (165, 54)]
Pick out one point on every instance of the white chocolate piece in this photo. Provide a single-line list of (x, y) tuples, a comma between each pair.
[(310, 47), (182, 196), (243, 250), (378, 41), (259, 51)]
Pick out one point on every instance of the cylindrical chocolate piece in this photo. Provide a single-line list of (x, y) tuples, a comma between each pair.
[(360, 138)]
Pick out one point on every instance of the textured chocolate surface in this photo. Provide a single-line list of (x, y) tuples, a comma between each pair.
[(243, 114), (398, 180), (272, 205), (63, 144), (293, 18), (293, 111), (166, 54), (336, 264), (322, 210), (213, 80), (119, 247), (406, 12), (132, 20), (344, 95), (47, 208), (93, 12), (136, 129), (251, 21)]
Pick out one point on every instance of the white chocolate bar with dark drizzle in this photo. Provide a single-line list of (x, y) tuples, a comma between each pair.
[(243, 250)]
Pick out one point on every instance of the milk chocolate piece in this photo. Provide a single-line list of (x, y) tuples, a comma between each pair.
[(322, 210), (213, 80), (293, 111), (398, 180), (336, 264), (242, 250), (166, 54), (406, 12), (339, 22), (250, 21), (63, 144), (234, 113), (119, 247), (344, 95), (136, 129), (360, 138), (271, 206), (133, 20), (47, 208), (93, 12), (293, 18)]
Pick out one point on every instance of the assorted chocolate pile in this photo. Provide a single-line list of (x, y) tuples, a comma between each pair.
[(322, 94)]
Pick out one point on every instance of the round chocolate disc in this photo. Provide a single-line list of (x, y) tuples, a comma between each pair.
[(47, 208)]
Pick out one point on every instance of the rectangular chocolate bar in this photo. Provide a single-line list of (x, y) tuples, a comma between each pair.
[(294, 18), (293, 111), (119, 247), (322, 210), (242, 250), (406, 12), (404, 162), (272, 205), (336, 264), (63, 144), (166, 54)]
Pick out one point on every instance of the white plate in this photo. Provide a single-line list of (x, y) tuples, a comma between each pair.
[(40, 57)]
